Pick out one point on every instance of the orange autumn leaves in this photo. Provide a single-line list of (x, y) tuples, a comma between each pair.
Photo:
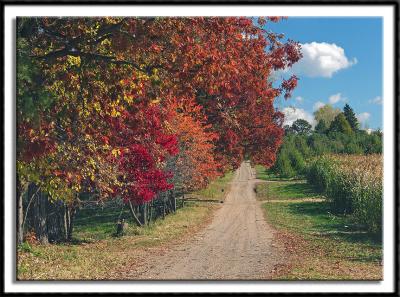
[(195, 163)]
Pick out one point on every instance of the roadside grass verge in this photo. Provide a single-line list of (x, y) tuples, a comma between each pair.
[(320, 245), (95, 254), (289, 190)]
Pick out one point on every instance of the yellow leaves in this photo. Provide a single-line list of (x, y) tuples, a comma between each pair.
[(155, 101), (142, 76), (58, 87), (116, 152), (106, 42), (128, 98), (74, 61), (115, 113), (97, 106)]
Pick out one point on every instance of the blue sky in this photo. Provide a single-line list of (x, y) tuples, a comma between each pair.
[(342, 63)]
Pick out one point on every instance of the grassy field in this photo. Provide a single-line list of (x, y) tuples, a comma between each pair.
[(265, 174), (319, 244), (285, 190), (96, 254)]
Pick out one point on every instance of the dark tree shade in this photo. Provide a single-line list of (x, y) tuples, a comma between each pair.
[(351, 117), (321, 127), (288, 129), (301, 126)]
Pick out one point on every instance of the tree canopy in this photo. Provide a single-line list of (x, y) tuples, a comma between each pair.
[(301, 126), (340, 124), (121, 106), (326, 113)]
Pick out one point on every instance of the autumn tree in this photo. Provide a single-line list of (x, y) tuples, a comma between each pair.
[(326, 113), (194, 166)]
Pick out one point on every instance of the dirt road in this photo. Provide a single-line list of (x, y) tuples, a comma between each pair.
[(236, 245)]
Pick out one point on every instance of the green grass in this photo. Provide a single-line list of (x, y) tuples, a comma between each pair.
[(266, 174), (97, 224), (217, 189), (322, 245), (314, 218), (285, 190)]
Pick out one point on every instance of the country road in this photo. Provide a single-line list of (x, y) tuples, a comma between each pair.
[(238, 244)]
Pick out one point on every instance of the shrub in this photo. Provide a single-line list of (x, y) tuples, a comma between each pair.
[(283, 165), (319, 173), (297, 161)]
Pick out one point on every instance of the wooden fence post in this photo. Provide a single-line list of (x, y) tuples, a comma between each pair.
[(163, 207)]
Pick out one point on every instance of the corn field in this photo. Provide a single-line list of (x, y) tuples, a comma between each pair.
[(352, 184)]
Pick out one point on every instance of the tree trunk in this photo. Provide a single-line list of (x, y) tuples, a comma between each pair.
[(143, 213), (134, 217), (56, 222), (20, 216), (72, 212), (66, 221), (151, 210), (163, 207), (40, 218)]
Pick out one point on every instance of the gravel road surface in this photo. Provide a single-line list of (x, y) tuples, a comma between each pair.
[(238, 244)]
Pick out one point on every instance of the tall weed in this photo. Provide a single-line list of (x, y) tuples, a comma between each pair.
[(353, 185)]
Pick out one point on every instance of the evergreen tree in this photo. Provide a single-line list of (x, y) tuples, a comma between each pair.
[(351, 117)]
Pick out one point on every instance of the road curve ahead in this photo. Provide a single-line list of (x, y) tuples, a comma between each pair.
[(236, 245)]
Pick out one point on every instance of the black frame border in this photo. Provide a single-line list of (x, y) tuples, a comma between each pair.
[(396, 111)]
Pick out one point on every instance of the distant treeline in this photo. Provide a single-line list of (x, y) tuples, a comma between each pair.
[(336, 132)]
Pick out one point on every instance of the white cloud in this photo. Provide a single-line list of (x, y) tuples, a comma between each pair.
[(336, 98), (318, 105), (363, 117), (321, 60), (292, 114), (299, 99), (376, 100)]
